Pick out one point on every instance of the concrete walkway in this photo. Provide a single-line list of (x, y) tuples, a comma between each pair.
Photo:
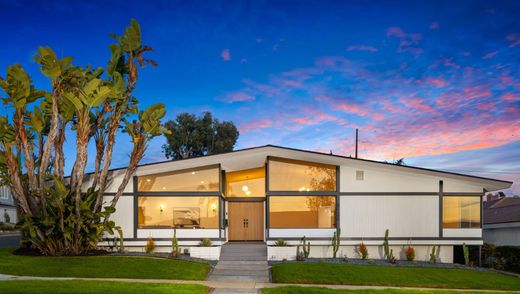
[(243, 263), (239, 287)]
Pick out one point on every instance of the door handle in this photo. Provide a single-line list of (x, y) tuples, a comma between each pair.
[(245, 223)]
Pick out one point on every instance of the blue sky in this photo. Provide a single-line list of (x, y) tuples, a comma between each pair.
[(435, 82)]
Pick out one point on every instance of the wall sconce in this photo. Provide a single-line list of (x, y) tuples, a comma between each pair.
[(161, 208), (213, 207)]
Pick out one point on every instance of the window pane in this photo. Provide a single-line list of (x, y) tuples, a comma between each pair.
[(206, 180), (246, 183), (178, 212), (461, 212), (290, 175), (302, 212)]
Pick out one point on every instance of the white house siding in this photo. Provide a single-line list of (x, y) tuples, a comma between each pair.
[(386, 179), (404, 216), (506, 234), (115, 177), (124, 215)]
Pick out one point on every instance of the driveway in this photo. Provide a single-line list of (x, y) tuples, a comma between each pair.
[(9, 240)]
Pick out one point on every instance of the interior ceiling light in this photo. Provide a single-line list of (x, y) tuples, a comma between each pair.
[(245, 188)]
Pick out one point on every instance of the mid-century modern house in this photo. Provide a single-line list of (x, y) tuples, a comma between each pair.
[(269, 192), (501, 224)]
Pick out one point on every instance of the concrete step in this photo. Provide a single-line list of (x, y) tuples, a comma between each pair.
[(234, 290), (243, 258), (240, 272), (239, 262), (240, 267), (256, 279)]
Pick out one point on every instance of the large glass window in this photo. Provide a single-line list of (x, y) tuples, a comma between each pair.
[(246, 183), (461, 212), (193, 180), (302, 212), (292, 175), (178, 212)]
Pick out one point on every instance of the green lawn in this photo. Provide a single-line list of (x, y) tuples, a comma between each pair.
[(314, 290), (347, 274), (86, 287), (101, 267)]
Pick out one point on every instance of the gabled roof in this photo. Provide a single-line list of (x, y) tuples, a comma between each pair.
[(489, 183), (503, 210)]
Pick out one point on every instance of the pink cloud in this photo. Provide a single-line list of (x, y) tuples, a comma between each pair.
[(417, 104), (511, 97), (408, 42), (255, 125), (361, 48), (515, 40), (490, 55), (238, 97), (437, 82), (226, 55), (434, 26)]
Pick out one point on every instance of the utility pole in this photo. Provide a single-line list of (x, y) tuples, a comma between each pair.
[(356, 141)]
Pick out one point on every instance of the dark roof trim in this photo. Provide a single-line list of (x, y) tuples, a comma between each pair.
[(327, 154)]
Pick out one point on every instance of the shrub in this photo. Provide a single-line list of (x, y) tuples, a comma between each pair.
[(510, 257), (300, 256), (150, 246), (205, 242), (176, 251), (121, 246), (336, 242), (280, 243), (410, 253), (362, 250)]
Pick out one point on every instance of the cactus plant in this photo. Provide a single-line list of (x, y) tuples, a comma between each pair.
[(433, 258), (466, 254), (306, 247), (385, 245), (175, 244), (336, 242)]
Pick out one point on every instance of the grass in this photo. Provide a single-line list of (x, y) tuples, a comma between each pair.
[(316, 290), (86, 287), (101, 267), (348, 274)]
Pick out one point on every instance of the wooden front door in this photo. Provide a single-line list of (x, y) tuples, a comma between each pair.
[(246, 221)]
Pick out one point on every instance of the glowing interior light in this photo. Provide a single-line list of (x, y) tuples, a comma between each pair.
[(248, 193), (213, 207), (245, 188), (161, 208), (193, 173), (148, 180)]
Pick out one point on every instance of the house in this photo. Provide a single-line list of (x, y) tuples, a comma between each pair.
[(269, 192), (8, 212), (502, 221)]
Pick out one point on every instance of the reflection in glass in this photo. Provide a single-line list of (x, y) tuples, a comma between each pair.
[(246, 183), (461, 212), (178, 212), (195, 180), (302, 212), (292, 175)]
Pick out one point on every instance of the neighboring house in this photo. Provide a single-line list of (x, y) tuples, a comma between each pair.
[(269, 192), (7, 206), (502, 221)]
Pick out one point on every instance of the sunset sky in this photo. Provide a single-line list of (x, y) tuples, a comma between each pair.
[(436, 82)]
